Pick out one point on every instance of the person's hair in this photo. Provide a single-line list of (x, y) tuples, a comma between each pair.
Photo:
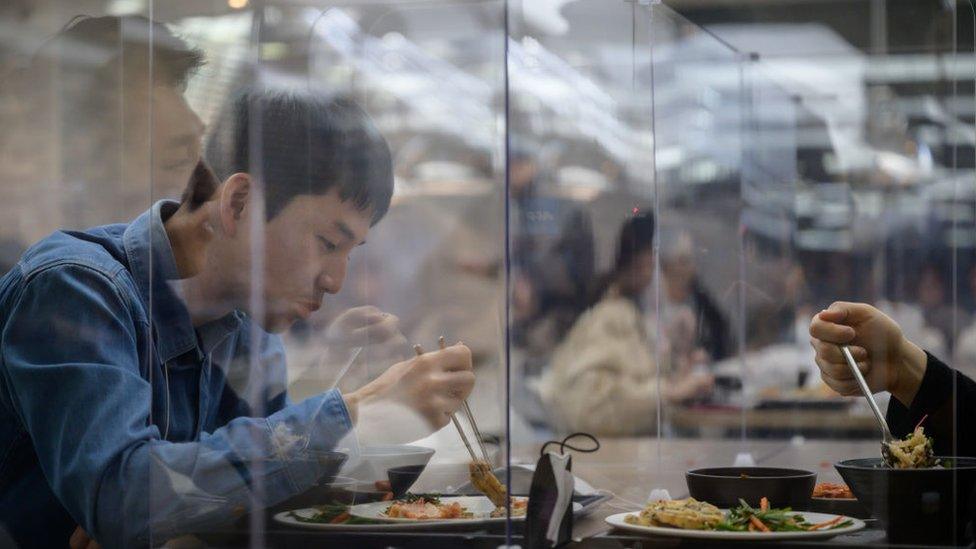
[(636, 237), (100, 50), (302, 144), (70, 99)]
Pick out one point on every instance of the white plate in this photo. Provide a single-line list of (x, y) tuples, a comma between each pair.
[(480, 505), (617, 521), (287, 519)]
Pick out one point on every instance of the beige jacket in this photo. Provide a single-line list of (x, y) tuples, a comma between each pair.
[(603, 377)]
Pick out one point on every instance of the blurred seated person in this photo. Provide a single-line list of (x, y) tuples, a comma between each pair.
[(604, 377), (922, 386), (682, 288), (120, 419), (939, 313), (552, 256), (965, 348)]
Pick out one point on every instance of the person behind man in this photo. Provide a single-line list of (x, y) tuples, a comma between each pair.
[(604, 377), (682, 288), (100, 110), (115, 412), (922, 386)]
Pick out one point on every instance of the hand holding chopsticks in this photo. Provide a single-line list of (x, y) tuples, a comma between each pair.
[(481, 473)]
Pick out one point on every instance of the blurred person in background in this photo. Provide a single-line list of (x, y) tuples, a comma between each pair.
[(122, 418), (965, 348), (939, 314), (922, 386), (552, 256), (682, 288), (606, 376), (101, 116)]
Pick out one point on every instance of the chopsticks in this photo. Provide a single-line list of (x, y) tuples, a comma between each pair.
[(467, 413)]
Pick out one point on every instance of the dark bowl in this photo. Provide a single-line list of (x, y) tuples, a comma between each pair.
[(724, 486), (402, 478), (929, 506)]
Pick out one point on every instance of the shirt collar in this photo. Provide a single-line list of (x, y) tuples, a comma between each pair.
[(153, 266)]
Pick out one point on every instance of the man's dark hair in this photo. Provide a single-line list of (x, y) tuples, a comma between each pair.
[(108, 47), (302, 144), (72, 98)]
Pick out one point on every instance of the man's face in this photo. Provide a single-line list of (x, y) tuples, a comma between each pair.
[(306, 252), (169, 149)]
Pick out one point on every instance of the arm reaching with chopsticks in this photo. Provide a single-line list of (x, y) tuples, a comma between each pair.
[(429, 387), (922, 386)]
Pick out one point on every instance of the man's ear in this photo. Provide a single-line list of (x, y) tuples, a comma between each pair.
[(234, 203)]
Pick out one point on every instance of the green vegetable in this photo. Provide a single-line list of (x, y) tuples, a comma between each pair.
[(777, 520), (328, 512), (429, 498)]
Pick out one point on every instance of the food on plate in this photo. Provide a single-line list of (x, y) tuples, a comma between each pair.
[(832, 490), (688, 514), (332, 513), (745, 518), (487, 483), (426, 507), (519, 507), (914, 451)]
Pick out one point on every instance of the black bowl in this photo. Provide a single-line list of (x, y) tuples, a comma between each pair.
[(930, 506), (724, 486), (402, 478)]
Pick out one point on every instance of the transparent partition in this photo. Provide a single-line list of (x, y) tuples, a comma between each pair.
[(645, 169), (357, 273)]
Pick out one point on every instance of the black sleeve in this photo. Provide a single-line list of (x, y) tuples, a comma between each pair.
[(948, 398)]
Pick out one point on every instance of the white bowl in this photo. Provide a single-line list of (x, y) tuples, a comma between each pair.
[(373, 462)]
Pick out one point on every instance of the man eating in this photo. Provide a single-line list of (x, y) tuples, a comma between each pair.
[(117, 341)]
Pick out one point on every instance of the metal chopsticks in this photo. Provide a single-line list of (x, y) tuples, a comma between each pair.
[(470, 417)]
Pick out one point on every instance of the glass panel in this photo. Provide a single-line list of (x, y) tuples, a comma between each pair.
[(246, 220)]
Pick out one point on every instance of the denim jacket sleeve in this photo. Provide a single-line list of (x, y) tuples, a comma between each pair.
[(71, 352)]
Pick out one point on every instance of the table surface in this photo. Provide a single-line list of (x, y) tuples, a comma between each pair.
[(631, 468)]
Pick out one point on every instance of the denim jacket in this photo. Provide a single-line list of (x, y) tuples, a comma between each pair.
[(116, 413)]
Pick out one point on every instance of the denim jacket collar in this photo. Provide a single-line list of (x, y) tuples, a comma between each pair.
[(152, 265)]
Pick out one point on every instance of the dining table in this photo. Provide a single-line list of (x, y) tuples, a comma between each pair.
[(629, 468)]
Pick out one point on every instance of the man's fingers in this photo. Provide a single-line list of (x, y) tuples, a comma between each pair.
[(840, 371), (377, 332), (845, 388), (837, 313), (832, 352), (358, 316), (455, 358), (831, 332)]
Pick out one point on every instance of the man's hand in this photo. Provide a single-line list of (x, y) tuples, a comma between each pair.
[(368, 327), (432, 386), (362, 326), (80, 540), (888, 361)]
